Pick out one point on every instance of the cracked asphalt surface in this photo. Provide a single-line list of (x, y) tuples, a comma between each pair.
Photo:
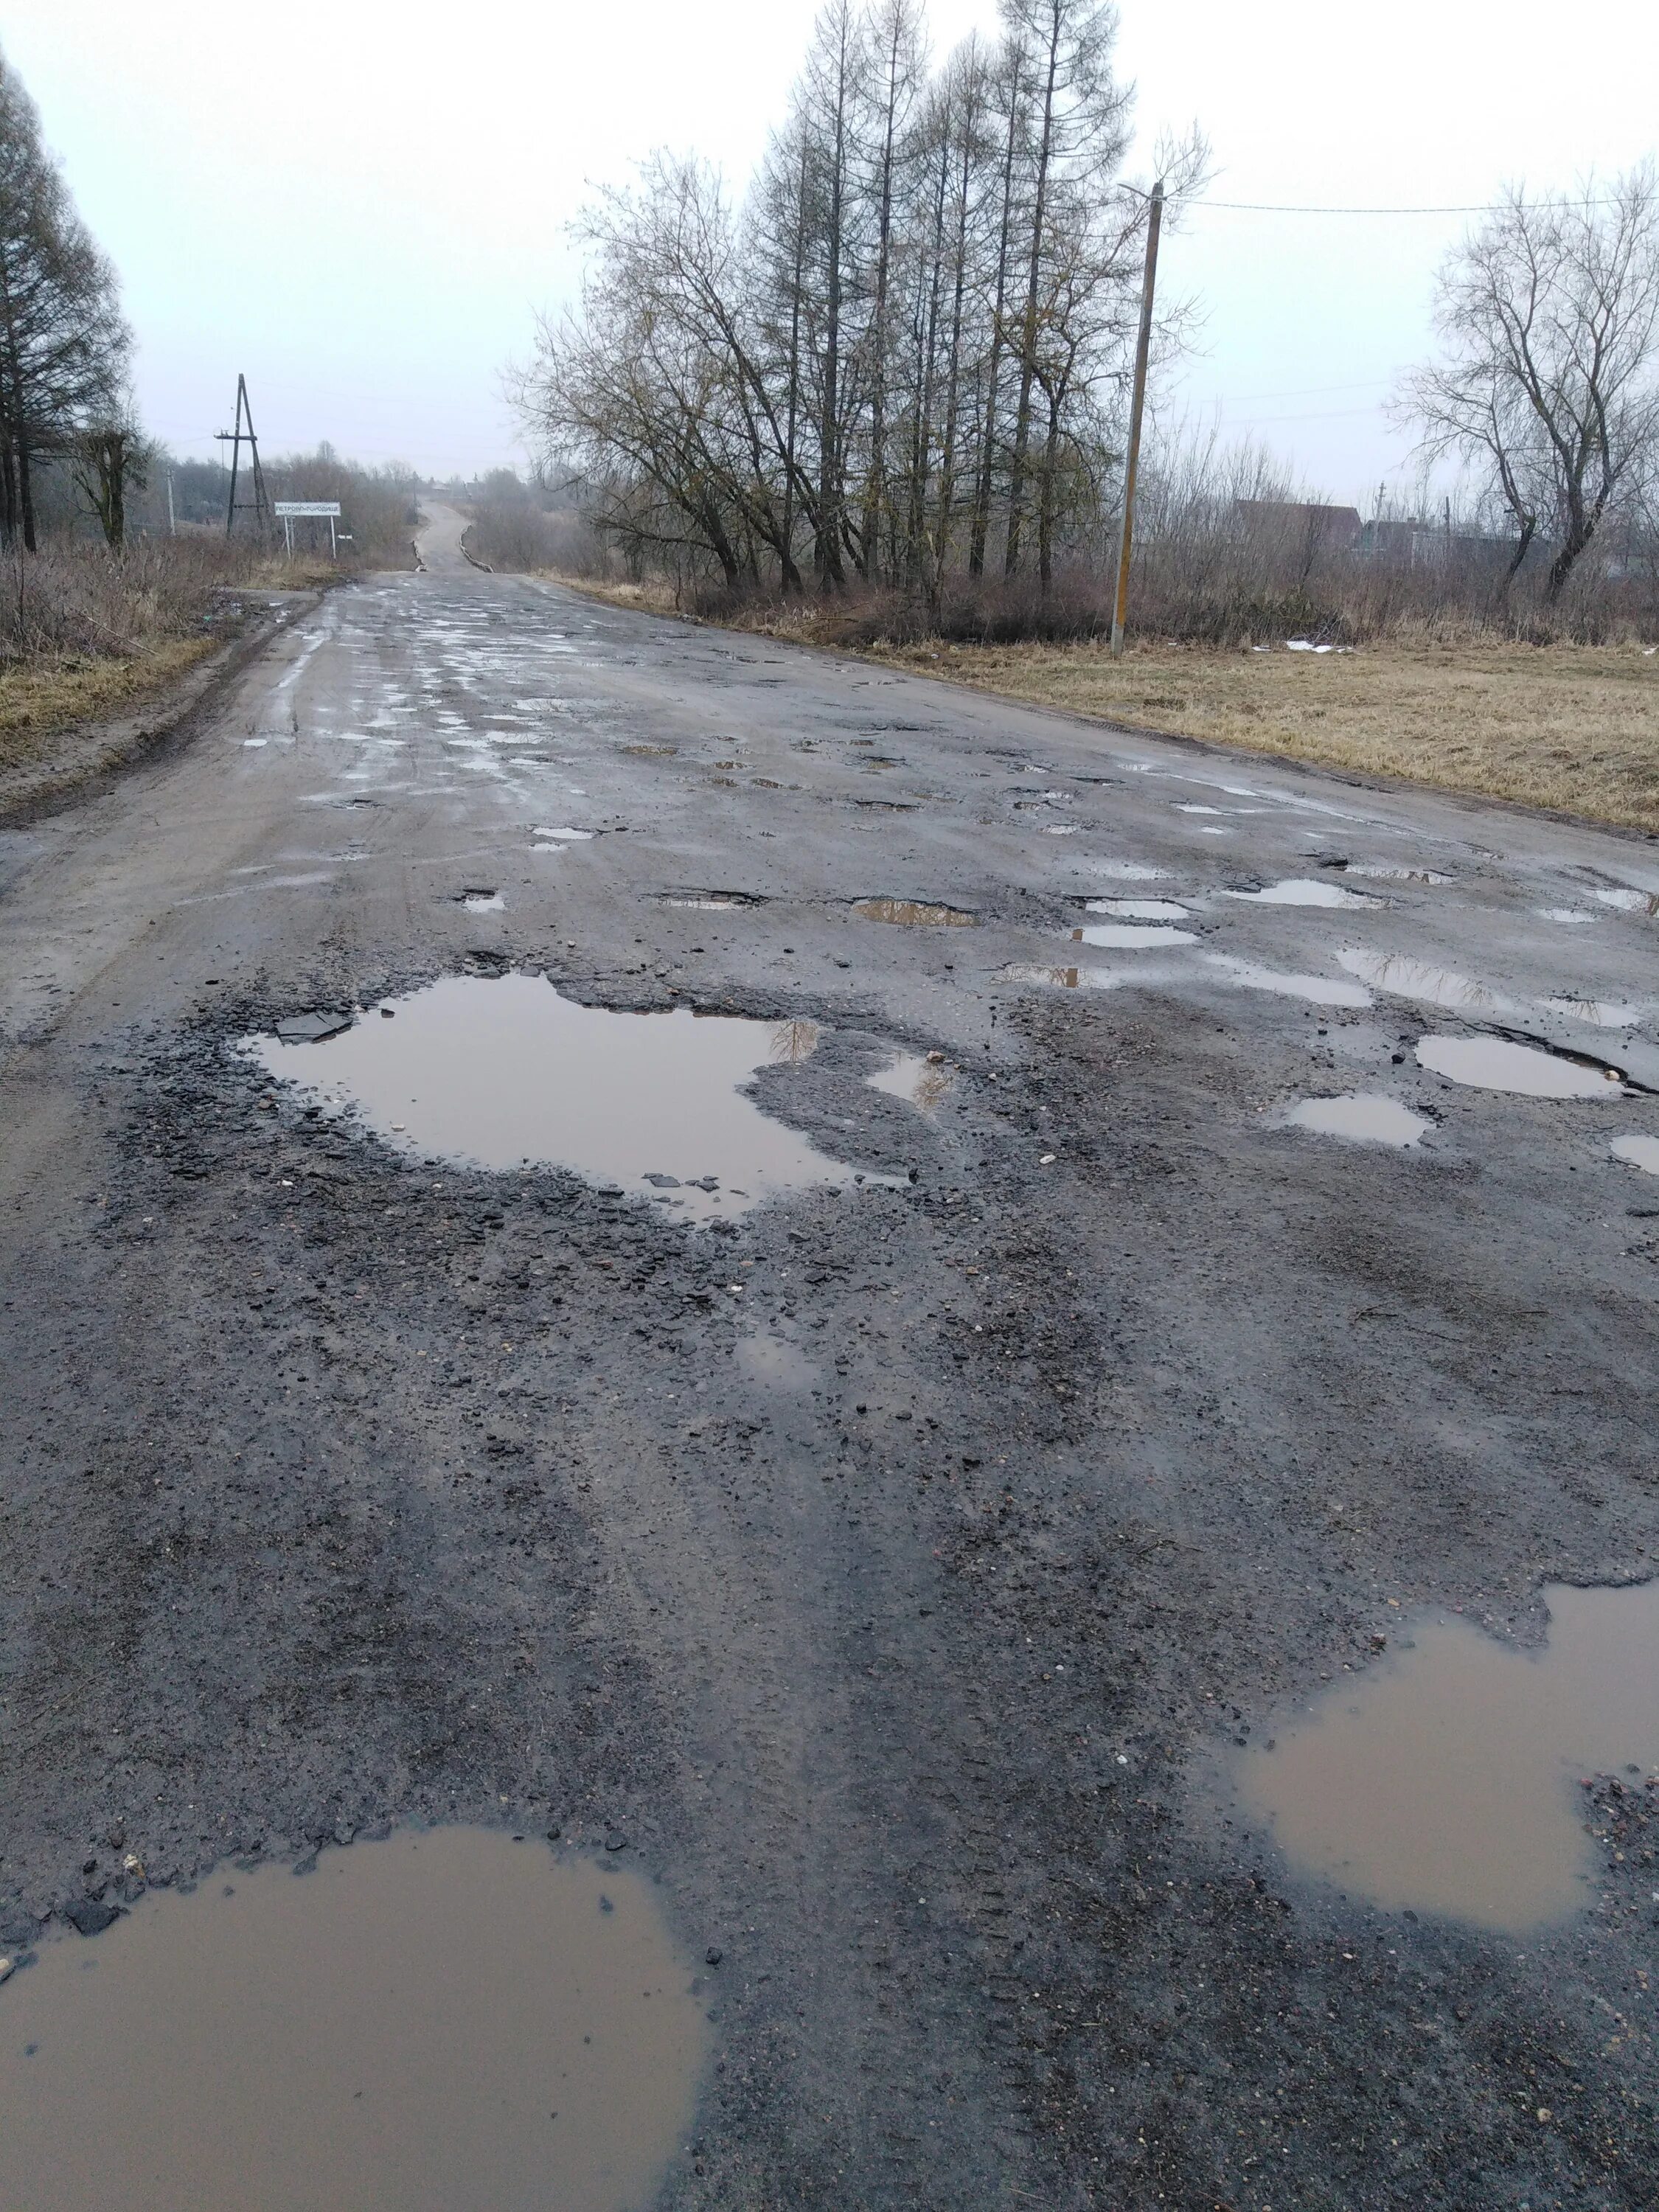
[(889, 1572)]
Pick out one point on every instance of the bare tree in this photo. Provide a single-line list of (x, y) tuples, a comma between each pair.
[(110, 459), (1549, 316), (1079, 130)]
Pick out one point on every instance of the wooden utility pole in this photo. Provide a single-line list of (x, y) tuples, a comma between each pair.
[(260, 504), (1137, 404)]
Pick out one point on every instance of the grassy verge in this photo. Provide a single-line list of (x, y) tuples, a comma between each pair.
[(41, 698), (1571, 729), (1574, 728)]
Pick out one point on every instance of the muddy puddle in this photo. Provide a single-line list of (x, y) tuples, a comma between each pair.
[(913, 913), (1639, 1152), (922, 1079), (444, 2021), (499, 1071), (1366, 1117), (1447, 1779), (1494, 1064)]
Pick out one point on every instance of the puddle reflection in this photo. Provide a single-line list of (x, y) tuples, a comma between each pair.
[(922, 1079)]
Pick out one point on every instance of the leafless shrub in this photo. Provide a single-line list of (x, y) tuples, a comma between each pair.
[(76, 598)]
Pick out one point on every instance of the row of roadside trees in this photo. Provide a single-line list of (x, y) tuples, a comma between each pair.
[(903, 354), (64, 346)]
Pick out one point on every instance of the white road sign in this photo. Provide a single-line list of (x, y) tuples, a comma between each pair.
[(283, 509)]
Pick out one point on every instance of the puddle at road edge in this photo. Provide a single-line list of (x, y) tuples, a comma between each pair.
[(913, 913), (446, 2021), (1638, 1153), (1444, 1780), (1494, 1064), (1364, 1116), (498, 1070)]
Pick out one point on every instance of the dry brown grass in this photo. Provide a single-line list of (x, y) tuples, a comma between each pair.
[(1574, 728), (40, 698), (1571, 729)]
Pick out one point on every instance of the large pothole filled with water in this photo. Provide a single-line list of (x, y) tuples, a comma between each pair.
[(502, 1072), (446, 2021), (1444, 1779)]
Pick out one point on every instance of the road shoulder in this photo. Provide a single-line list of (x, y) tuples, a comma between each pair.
[(71, 760)]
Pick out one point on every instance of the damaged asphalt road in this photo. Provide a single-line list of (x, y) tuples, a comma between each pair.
[(890, 1571)]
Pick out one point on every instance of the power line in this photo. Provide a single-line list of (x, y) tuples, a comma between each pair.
[(1270, 206)]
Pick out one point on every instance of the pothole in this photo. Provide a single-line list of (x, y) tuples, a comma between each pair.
[(1138, 909), (1318, 990), (1639, 1151), (920, 1080), (444, 2021), (1444, 1780), (477, 901), (1304, 891), (1364, 1116), (1389, 871), (499, 1071), (913, 913), (1600, 1013), (776, 1363), (1131, 935), (709, 901), (1398, 976), (1494, 1064)]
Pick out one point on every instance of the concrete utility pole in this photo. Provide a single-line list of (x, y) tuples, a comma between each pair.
[(1137, 404)]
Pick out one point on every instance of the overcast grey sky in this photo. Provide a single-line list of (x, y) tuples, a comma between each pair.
[(359, 203)]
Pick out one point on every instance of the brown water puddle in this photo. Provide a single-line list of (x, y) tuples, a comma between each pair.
[(1445, 1780), (501, 1070), (446, 2021), (913, 913)]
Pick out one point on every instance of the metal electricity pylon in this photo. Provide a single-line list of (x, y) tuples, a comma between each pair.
[(258, 506)]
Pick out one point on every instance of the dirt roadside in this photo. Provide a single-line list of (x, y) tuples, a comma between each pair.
[(50, 765)]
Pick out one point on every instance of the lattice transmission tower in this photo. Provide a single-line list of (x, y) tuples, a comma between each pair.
[(258, 506)]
